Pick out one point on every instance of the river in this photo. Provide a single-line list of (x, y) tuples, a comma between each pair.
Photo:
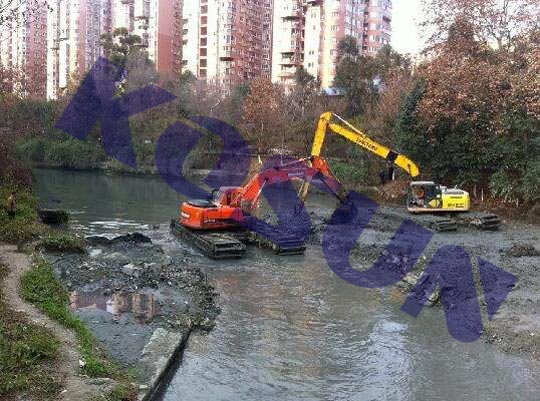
[(289, 328)]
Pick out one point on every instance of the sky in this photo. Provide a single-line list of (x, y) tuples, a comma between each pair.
[(405, 31)]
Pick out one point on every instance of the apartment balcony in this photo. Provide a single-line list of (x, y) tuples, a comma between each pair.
[(288, 61), (293, 16), (286, 75), (287, 52)]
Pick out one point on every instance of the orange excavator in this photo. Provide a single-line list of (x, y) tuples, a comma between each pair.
[(215, 226)]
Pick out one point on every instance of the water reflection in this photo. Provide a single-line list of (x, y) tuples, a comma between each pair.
[(143, 306)]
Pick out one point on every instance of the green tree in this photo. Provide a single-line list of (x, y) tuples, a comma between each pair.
[(119, 45), (348, 48)]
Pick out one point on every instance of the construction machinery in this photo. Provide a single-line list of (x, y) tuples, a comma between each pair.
[(216, 225), (424, 197)]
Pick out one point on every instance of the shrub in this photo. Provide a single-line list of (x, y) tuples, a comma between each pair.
[(40, 287), (57, 241), (531, 182), (504, 186), (351, 174), (24, 227)]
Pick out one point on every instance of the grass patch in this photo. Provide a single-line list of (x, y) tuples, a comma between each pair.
[(40, 287), (122, 392), (63, 241), (25, 226), (28, 355)]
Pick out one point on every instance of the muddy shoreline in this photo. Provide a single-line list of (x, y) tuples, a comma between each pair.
[(141, 304)]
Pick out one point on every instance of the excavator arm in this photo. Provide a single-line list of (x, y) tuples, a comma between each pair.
[(305, 170), (334, 123)]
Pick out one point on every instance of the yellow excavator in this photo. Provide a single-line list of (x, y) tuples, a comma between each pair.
[(423, 196)]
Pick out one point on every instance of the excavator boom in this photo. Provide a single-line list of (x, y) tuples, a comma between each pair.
[(343, 128)]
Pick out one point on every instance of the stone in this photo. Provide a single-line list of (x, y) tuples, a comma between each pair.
[(131, 270)]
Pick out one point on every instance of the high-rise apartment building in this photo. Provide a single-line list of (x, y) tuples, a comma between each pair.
[(23, 37), (159, 25), (74, 29), (377, 25), (227, 41), (73, 41), (307, 33)]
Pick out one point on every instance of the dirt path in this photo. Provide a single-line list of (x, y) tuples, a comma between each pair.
[(76, 387)]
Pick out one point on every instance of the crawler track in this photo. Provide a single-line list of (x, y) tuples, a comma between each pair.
[(232, 244), (212, 244), (286, 245), (480, 220)]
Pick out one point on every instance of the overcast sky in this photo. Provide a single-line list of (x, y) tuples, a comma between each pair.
[(405, 32)]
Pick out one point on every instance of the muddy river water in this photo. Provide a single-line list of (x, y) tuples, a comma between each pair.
[(289, 328)]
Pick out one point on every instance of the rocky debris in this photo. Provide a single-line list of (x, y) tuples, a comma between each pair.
[(411, 280), (394, 191), (134, 238), (522, 250), (53, 217), (140, 303), (131, 270)]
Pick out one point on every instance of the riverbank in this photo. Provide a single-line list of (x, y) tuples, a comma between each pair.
[(140, 304), (108, 310), (67, 355), (48, 341)]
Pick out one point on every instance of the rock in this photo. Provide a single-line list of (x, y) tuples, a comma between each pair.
[(433, 298), (135, 238), (131, 270), (53, 216), (159, 353), (521, 250)]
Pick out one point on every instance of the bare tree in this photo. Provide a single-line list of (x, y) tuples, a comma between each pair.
[(21, 12), (494, 22)]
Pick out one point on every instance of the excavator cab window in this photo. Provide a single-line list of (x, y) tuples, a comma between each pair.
[(216, 196), (425, 195), (433, 198)]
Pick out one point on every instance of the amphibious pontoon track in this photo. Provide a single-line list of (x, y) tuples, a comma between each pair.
[(212, 244)]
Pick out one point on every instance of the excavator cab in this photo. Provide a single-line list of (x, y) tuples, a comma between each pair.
[(215, 213), (426, 196)]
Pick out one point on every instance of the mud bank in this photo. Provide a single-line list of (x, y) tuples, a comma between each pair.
[(140, 303), (515, 329)]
